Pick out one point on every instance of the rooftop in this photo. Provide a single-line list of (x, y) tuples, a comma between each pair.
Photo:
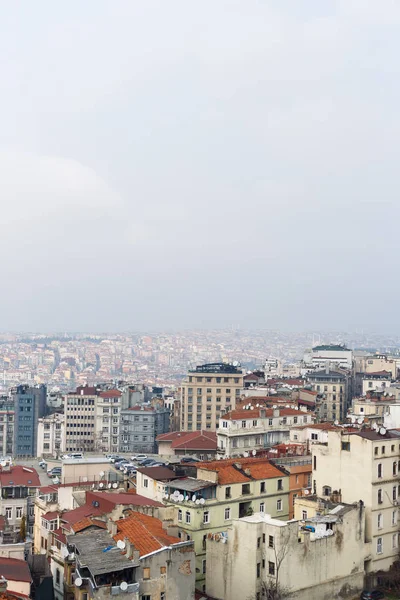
[(190, 440), (91, 545), (190, 484), (146, 533), (19, 476), (242, 470), (14, 569), (255, 413), (331, 348), (218, 368), (159, 473)]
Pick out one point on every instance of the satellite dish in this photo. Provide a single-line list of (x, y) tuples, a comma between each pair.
[(166, 496), (180, 497), (197, 501), (101, 473), (194, 498), (360, 420), (101, 485), (65, 552), (109, 486), (382, 431), (121, 544), (306, 492), (245, 454), (115, 485), (78, 582), (336, 422), (72, 556), (254, 452), (353, 419), (251, 407), (124, 585), (202, 501), (374, 426)]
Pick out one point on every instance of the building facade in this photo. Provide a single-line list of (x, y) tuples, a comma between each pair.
[(336, 355), (50, 438), (29, 406), (334, 393), (139, 427), (7, 423), (18, 487), (80, 412), (208, 392), (107, 429)]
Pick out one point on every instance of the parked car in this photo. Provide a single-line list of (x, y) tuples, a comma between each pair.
[(127, 466), (42, 464), (115, 457), (121, 463), (188, 459), (139, 457), (147, 462), (54, 471), (372, 595), (56, 479)]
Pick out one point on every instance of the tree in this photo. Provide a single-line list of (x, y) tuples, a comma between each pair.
[(22, 529), (271, 588)]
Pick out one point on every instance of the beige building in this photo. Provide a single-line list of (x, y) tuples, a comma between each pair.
[(314, 558), (375, 363), (50, 438), (206, 394), (334, 393), (364, 466)]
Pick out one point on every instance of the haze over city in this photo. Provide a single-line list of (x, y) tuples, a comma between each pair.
[(179, 165)]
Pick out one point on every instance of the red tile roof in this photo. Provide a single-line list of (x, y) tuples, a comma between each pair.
[(110, 394), (50, 516), (15, 570), (19, 475), (48, 489), (196, 440), (233, 470), (159, 473), (146, 533)]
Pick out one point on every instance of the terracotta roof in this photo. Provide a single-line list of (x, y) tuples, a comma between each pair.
[(50, 516), (146, 533), (196, 440), (241, 413), (58, 533), (48, 489), (110, 394), (229, 471), (15, 570), (19, 475)]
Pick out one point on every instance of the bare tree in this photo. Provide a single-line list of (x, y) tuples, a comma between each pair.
[(271, 587)]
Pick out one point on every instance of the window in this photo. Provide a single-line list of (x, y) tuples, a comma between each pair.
[(383, 450), (314, 436), (394, 492), (280, 484), (146, 597), (179, 515), (145, 483), (304, 515), (394, 468), (271, 568), (346, 446), (395, 539), (380, 521), (314, 463), (245, 488), (270, 541), (262, 487), (279, 505), (9, 512), (376, 449), (258, 542), (58, 576), (243, 423), (162, 595), (394, 517), (326, 490), (392, 448), (379, 545), (380, 501), (380, 471), (270, 422), (204, 566), (258, 570), (262, 507), (255, 423), (19, 512), (206, 516), (187, 517), (146, 573), (227, 492), (227, 514)]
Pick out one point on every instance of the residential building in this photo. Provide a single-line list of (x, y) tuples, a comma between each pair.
[(18, 487), (224, 490), (300, 476), (378, 380), (252, 428), (336, 355), (50, 438), (140, 426), (18, 576), (364, 466), (152, 482), (207, 392), (7, 422), (312, 559), (335, 389), (310, 434), (29, 406), (80, 411), (198, 444), (374, 363), (108, 408)]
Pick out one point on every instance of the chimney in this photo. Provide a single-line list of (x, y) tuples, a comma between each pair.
[(238, 465), (263, 413), (111, 527), (247, 472), (276, 412)]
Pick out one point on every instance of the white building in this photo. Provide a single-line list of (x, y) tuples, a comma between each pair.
[(377, 381), (334, 355), (364, 466), (311, 434), (247, 430), (50, 438)]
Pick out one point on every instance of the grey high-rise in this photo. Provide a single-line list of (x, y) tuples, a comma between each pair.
[(30, 405)]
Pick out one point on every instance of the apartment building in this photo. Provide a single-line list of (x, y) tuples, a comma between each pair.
[(252, 428), (364, 466), (29, 406), (198, 444), (334, 393), (207, 392), (18, 487), (7, 422), (140, 426), (378, 380), (313, 558), (108, 409), (50, 438), (224, 490), (81, 418), (337, 355)]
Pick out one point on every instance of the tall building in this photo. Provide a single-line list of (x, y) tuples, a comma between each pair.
[(207, 392), (334, 388), (7, 418), (80, 420), (364, 466), (139, 427), (335, 354), (30, 406), (108, 408)]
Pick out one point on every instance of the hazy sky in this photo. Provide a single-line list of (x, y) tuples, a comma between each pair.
[(168, 164)]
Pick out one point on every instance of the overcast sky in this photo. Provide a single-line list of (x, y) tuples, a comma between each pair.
[(170, 164)]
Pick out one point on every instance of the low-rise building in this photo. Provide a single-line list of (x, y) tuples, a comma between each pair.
[(313, 433), (334, 392), (312, 559), (378, 380), (18, 576), (18, 487), (300, 474), (253, 428), (50, 438), (198, 444), (152, 482)]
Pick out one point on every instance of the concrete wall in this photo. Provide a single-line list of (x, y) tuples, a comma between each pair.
[(178, 582)]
